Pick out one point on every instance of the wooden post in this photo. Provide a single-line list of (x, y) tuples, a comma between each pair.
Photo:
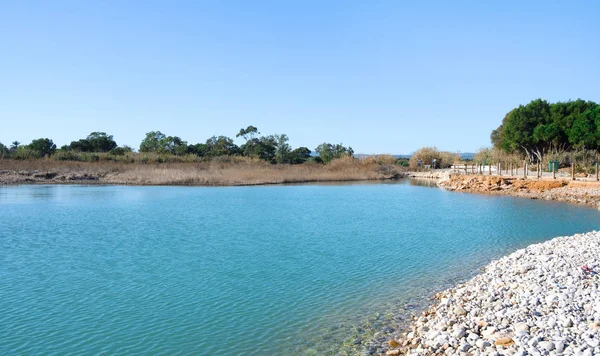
[(538, 170), (499, 168), (597, 177), (572, 170), (525, 171), (466, 169), (553, 170), (490, 168)]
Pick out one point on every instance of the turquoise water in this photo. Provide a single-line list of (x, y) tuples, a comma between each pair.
[(267, 270)]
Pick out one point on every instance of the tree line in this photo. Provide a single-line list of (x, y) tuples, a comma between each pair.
[(270, 148), (540, 128)]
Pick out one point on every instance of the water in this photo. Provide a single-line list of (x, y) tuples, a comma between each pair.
[(267, 270)]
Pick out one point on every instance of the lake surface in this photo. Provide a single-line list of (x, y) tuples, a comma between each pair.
[(269, 270)]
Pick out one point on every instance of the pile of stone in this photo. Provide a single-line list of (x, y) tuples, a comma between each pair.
[(541, 300)]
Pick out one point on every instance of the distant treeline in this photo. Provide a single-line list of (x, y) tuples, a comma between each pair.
[(158, 147), (541, 128)]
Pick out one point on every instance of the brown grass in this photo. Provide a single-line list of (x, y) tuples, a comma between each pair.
[(241, 172)]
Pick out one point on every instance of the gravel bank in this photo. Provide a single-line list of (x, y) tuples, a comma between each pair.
[(536, 301)]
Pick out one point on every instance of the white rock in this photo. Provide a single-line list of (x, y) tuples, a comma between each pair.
[(546, 345)]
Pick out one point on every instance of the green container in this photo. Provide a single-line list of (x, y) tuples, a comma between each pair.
[(552, 164)]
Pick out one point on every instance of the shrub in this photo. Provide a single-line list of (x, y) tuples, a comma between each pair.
[(24, 152), (443, 159)]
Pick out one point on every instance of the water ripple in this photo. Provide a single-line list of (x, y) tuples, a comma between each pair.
[(251, 270)]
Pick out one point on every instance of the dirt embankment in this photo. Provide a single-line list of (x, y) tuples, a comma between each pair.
[(578, 192)]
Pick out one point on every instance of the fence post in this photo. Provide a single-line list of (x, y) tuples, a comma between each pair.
[(572, 170), (597, 177), (553, 170), (525, 170)]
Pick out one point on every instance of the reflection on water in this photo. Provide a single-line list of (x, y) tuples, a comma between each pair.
[(424, 182)]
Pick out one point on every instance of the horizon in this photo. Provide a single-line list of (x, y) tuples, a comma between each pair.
[(381, 77)]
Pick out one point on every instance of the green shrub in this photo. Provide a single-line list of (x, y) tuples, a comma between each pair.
[(23, 152)]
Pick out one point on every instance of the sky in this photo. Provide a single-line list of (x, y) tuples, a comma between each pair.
[(380, 76)]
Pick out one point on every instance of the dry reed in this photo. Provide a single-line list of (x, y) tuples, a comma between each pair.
[(216, 172)]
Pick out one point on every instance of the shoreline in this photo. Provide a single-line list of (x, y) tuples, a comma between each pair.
[(536, 300), (562, 190), (466, 320), (248, 173)]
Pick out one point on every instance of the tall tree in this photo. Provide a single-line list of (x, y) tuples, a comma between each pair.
[(42, 146), (328, 152), (283, 149), (221, 146), (152, 142)]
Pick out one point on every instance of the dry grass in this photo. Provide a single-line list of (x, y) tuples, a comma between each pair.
[(240, 172)]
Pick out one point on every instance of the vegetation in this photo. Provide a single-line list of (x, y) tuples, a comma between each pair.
[(541, 128), (223, 170), (157, 147), (328, 152), (433, 157), (95, 142)]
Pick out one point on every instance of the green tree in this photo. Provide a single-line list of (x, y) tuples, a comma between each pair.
[(101, 142), (221, 146), (42, 146), (328, 152), (152, 142), (299, 155), (3, 151), (583, 133), (158, 142), (173, 145), (248, 133), (282, 149)]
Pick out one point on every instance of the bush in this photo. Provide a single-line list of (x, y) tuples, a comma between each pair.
[(443, 159), (23, 152), (63, 155)]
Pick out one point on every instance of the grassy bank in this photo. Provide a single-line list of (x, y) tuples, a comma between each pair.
[(238, 171)]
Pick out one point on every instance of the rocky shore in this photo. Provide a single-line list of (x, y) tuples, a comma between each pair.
[(541, 300)]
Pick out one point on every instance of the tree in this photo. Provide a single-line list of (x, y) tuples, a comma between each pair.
[(248, 133), (583, 132), (152, 142), (329, 152), (264, 148), (42, 146), (3, 151), (158, 142), (101, 142), (15, 145), (199, 149), (540, 128), (282, 149), (299, 155), (221, 146), (173, 145)]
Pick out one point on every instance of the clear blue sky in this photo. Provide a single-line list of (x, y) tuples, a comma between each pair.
[(380, 76)]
